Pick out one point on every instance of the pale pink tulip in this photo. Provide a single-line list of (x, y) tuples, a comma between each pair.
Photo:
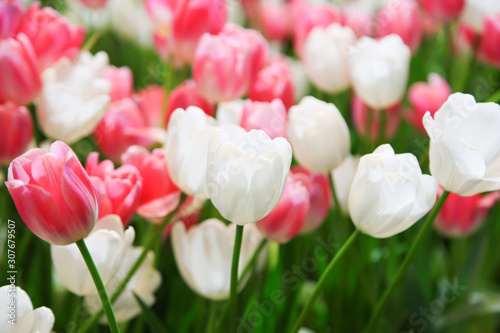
[(16, 131), (53, 194), (267, 116), (94, 4), (443, 10), (122, 82), (150, 102), (274, 20), (274, 81), (11, 12), (360, 18)]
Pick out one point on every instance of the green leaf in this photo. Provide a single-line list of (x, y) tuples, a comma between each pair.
[(152, 320)]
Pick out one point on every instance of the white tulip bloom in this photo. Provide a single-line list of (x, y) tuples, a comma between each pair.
[(318, 134), (379, 70), (389, 193), (204, 255), (230, 112), (18, 316), (74, 97), (343, 176), (464, 150), (246, 175)]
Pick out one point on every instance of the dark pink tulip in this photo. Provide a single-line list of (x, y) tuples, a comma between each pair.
[(16, 131), (443, 10), (274, 81), (53, 194), (267, 116), (187, 95), (489, 45), (11, 12), (122, 82)]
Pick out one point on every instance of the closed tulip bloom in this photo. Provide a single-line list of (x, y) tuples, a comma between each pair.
[(203, 255), (425, 97), (94, 4), (343, 175), (464, 154), (462, 216), (379, 70), (475, 12), (230, 112), (488, 45), (27, 319), (119, 190), (443, 10), (246, 175), (187, 95), (159, 195), (186, 147), (269, 117), (360, 17), (20, 81), (150, 102), (274, 20), (121, 80), (11, 12), (53, 194), (287, 218), (389, 193), (107, 244), (74, 97), (318, 134), (16, 131)]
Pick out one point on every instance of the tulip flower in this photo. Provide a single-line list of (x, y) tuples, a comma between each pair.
[(53, 194), (159, 195), (74, 97), (274, 20), (299, 78), (11, 12), (443, 10), (475, 12), (425, 97), (203, 255), (246, 175), (107, 244), (343, 176), (20, 81), (488, 44), (119, 190), (389, 193), (360, 17), (186, 149), (326, 52), (122, 12), (287, 218), (269, 117), (230, 112), (16, 131), (121, 80), (26, 319), (463, 151), (150, 102), (187, 95), (462, 216), (94, 4), (318, 134), (379, 70)]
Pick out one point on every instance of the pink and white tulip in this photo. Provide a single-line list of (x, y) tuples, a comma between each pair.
[(121, 80), (187, 95), (11, 12), (269, 117)]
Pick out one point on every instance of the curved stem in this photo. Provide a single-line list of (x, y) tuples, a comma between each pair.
[(101, 290), (407, 261), (323, 279), (233, 300)]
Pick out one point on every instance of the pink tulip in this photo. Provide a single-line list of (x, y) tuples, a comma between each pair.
[(443, 10), (402, 17), (20, 81), (274, 81), (187, 95), (16, 131), (119, 189), (267, 116), (274, 20), (11, 12), (360, 19), (461, 216), (94, 4), (53, 194), (489, 45), (52, 35), (320, 197), (188, 213), (150, 102), (159, 194), (122, 82), (425, 97), (287, 217)]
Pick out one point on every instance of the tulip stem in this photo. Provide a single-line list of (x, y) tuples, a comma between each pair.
[(101, 290), (233, 300), (323, 279), (495, 98), (407, 261), (335, 197)]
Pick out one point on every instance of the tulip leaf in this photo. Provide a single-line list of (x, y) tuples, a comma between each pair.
[(152, 320)]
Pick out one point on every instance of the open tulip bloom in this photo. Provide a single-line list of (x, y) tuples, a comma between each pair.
[(250, 166)]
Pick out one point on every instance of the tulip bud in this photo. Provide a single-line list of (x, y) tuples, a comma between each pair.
[(16, 131), (269, 117), (246, 176), (462, 216), (53, 194), (203, 255), (11, 12), (475, 12), (274, 20), (389, 193), (489, 40), (187, 95), (121, 80), (443, 10), (378, 88), (343, 176), (326, 52), (463, 152), (318, 134)]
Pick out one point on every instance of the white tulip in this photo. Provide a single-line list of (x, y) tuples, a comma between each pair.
[(325, 57), (107, 244), (464, 150), (18, 316), (318, 134), (204, 254), (389, 193), (188, 135), (343, 176), (246, 175), (379, 70), (299, 78), (230, 112)]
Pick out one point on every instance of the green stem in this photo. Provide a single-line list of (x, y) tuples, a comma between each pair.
[(495, 98), (323, 279), (407, 261), (335, 197), (233, 300), (101, 290), (212, 314), (252, 260)]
